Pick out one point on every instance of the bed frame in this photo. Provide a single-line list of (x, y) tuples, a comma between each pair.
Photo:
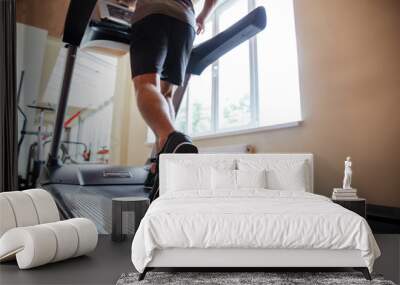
[(259, 259), (244, 259)]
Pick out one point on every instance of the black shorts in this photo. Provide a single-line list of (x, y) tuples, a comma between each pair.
[(161, 44)]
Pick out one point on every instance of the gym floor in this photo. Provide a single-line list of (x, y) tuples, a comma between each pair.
[(110, 259), (103, 266)]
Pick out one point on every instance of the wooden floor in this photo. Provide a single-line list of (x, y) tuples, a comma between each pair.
[(102, 266), (111, 259)]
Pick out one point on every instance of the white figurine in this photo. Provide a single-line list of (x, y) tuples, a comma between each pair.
[(347, 173)]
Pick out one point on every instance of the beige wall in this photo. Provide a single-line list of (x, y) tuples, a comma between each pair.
[(349, 56), (45, 14), (129, 130)]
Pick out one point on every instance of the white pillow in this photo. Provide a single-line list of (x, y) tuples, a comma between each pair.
[(223, 179), (293, 179), (251, 178), (281, 174), (235, 179), (182, 177)]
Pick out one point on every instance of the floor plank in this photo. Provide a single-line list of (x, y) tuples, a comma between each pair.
[(102, 266)]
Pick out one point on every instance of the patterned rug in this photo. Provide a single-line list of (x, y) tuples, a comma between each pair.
[(244, 278)]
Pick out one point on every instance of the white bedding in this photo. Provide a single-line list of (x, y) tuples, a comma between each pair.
[(251, 218)]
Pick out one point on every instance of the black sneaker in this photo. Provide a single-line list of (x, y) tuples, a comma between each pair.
[(178, 142)]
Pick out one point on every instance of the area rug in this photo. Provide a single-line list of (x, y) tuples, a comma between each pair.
[(244, 278)]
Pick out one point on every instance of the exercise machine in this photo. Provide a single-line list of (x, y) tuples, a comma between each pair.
[(35, 153), (84, 189)]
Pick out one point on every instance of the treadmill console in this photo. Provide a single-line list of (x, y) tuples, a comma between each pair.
[(95, 174)]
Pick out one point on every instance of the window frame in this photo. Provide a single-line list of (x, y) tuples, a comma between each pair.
[(252, 54)]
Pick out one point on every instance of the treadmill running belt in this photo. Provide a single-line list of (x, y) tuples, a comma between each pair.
[(95, 203)]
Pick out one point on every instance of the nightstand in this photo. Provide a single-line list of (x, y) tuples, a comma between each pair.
[(358, 205)]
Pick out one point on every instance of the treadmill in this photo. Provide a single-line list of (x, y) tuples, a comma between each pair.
[(86, 190)]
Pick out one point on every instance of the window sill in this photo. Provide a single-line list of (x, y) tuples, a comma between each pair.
[(243, 131), (247, 131)]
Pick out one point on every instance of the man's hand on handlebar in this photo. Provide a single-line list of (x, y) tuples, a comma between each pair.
[(205, 12)]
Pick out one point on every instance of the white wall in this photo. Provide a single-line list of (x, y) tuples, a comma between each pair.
[(95, 131), (31, 46)]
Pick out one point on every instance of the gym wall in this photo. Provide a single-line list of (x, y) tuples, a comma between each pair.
[(129, 131), (45, 14), (30, 54)]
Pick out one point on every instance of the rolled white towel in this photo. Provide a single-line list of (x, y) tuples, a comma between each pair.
[(45, 205), (23, 208), (40, 244), (7, 218), (87, 235), (26, 208)]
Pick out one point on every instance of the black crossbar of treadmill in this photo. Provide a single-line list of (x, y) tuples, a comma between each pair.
[(209, 51), (78, 17), (106, 30)]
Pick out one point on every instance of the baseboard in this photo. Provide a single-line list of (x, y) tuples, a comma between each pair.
[(383, 219)]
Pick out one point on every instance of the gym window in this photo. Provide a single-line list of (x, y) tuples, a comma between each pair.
[(253, 87)]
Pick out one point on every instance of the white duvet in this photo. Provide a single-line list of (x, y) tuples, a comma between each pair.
[(250, 219)]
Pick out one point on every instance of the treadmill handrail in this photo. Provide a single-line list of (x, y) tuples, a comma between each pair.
[(209, 51)]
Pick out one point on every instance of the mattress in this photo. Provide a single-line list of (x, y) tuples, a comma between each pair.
[(251, 219)]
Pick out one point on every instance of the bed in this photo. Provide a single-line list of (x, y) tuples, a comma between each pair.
[(247, 210)]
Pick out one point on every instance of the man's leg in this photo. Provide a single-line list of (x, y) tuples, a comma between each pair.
[(166, 90), (153, 106)]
